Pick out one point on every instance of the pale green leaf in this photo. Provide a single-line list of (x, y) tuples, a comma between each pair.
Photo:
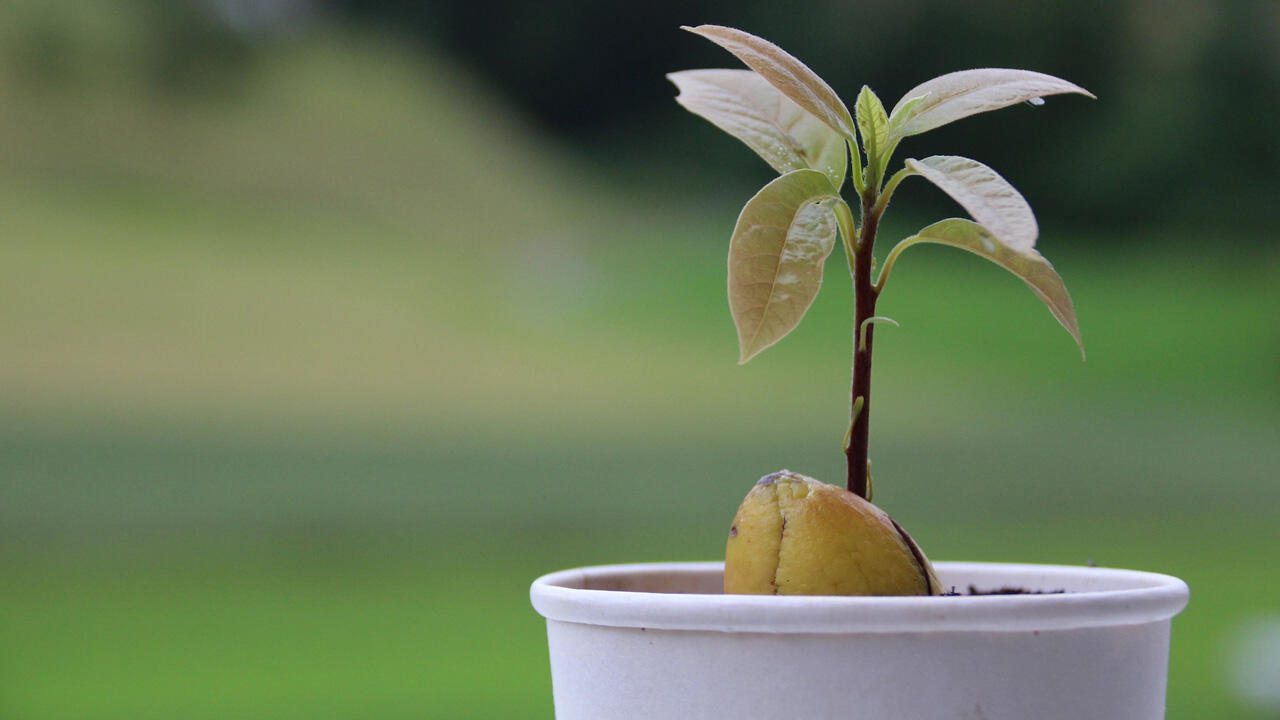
[(989, 198), (874, 125), (792, 77), (960, 94), (745, 105), (783, 236), (902, 114), (1027, 264)]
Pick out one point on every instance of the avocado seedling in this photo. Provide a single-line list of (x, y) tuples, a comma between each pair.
[(793, 534)]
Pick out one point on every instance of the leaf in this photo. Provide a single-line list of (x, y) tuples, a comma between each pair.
[(989, 198), (745, 105), (968, 92), (903, 113), (874, 124), (1027, 264), (790, 76), (783, 236)]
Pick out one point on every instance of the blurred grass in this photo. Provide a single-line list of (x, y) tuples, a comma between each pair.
[(300, 391)]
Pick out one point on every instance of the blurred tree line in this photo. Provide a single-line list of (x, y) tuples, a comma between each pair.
[(1183, 133), (1184, 129)]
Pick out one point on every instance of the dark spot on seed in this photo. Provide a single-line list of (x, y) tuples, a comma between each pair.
[(733, 531)]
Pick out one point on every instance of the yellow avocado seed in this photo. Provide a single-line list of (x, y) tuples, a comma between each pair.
[(794, 535)]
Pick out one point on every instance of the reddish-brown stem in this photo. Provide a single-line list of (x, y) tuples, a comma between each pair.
[(864, 308)]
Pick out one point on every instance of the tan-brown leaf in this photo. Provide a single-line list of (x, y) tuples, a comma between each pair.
[(792, 77), (783, 236)]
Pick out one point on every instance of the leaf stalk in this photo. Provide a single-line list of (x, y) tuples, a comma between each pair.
[(890, 186), (848, 234), (890, 259)]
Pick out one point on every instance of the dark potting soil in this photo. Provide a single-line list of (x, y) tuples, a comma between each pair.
[(973, 590)]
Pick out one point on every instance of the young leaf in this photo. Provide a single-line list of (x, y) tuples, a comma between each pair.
[(783, 236), (872, 121), (792, 77), (1027, 264), (968, 92), (903, 113), (989, 198), (746, 106), (874, 125)]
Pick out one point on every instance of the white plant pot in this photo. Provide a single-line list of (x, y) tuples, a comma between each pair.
[(657, 641)]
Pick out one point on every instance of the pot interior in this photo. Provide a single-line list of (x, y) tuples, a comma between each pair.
[(985, 578)]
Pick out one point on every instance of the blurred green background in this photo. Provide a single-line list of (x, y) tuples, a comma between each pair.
[(327, 327)]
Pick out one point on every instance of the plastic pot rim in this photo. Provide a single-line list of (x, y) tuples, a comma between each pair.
[(1093, 597)]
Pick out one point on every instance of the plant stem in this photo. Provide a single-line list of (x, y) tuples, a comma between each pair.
[(865, 295)]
